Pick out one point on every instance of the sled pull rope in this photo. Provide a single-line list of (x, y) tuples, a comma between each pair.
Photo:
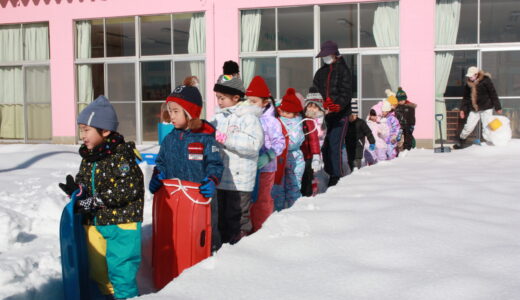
[(184, 189)]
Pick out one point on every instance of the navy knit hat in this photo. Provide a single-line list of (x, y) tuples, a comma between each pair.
[(189, 98), (230, 85), (99, 114)]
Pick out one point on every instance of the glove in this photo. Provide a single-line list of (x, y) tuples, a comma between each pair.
[(89, 205), (265, 158), (331, 106), (220, 137), (156, 183), (70, 186), (372, 147), (207, 187), (316, 164)]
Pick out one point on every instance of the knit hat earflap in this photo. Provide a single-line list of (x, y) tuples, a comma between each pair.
[(99, 114)]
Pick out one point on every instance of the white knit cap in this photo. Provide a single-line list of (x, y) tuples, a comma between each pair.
[(386, 106), (472, 71)]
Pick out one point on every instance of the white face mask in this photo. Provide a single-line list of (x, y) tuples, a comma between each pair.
[(328, 59)]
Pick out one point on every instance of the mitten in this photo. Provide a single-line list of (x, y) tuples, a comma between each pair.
[(317, 163), (155, 183), (265, 158), (69, 186), (220, 137), (89, 205), (372, 147), (207, 187)]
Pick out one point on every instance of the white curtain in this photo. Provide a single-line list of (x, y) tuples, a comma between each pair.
[(251, 24), (447, 27), (386, 34), (85, 84), (197, 45), (36, 39), (11, 89)]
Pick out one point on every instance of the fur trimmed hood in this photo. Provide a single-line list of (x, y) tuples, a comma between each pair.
[(473, 86)]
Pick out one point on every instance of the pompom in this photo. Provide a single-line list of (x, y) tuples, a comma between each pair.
[(290, 91), (230, 67), (389, 93), (313, 90)]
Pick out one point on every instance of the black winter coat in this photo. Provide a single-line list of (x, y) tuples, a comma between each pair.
[(335, 81), (405, 114), (355, 138), (485, 92), (118, 182)]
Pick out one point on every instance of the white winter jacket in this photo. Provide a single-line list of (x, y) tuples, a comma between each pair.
[(239, 152)]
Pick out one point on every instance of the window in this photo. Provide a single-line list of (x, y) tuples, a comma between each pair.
[(279, 45), (482, 33), (25, 89), (138, 76)]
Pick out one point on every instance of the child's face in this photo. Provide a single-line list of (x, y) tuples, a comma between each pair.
[(177, 115), (352, 117), (260, 102), (226, 100), (91, 137), (402, 102), (286, 114), (312, 107), (373, 118)]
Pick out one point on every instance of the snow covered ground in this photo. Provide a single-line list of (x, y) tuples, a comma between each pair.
[(424, 226)]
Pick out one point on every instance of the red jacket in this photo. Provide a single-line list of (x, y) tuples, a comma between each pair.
[(311, 144), (282, 158)]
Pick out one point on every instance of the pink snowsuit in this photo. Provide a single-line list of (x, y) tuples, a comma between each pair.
[(380, 133)]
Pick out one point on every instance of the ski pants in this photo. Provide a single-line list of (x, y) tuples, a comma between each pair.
[(286, 193), (114, 254), (233, 213), (391, 151), (263, 207), (474, 116), (333, 146)]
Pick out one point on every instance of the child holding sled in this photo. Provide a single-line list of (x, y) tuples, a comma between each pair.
[(109, 193), (274, 143), (240, 137)]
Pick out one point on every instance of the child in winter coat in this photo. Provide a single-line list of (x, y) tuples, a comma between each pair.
[(274, 143), (189, 152), (388, 116), (286, 193), (311, 148), (380, 134), (240, 136), (357, 131), (109, 192), (405, 113)]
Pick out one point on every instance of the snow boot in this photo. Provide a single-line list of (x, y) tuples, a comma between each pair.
[(461, 144), (333, 180)]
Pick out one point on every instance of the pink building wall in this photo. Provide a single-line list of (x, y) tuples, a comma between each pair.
[(222, 43)]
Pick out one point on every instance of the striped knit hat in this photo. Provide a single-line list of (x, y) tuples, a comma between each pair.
[(230, 85), (314, 97)]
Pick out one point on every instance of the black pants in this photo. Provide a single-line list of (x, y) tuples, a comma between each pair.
[(333, 146), (408, 139), (233, 214)]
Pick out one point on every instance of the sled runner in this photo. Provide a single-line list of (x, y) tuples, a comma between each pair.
[(181, 229)]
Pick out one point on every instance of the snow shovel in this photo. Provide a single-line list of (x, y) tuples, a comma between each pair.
[(441, 149)]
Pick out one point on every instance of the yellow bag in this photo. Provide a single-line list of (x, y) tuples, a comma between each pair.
[(495, 124)]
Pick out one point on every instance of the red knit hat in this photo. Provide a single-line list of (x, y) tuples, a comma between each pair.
[(291, 103), (258, 88)]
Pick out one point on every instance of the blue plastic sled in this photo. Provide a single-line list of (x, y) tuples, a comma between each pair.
[(74, 259)]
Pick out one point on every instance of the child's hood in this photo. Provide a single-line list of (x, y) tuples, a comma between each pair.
[(205, 129), (246, 108)]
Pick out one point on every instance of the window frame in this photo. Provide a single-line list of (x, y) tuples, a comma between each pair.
[(136, 60), (358, 50), (23, 64)]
